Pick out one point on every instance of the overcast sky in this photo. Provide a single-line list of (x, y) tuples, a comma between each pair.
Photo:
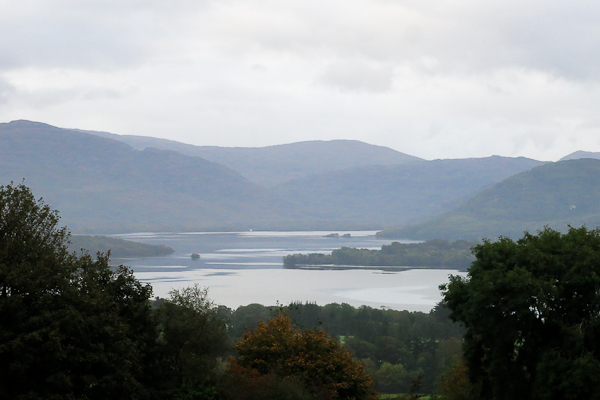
[(431, 78)]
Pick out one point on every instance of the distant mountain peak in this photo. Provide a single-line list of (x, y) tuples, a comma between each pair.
[(19, 123), (581, 154)]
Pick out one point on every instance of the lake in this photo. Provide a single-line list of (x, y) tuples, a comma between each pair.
[(241, 268)]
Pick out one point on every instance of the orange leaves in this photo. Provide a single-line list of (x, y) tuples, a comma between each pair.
[(321, 363)]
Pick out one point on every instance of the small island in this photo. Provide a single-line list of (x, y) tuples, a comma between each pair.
[(435, 253), (337, 235)]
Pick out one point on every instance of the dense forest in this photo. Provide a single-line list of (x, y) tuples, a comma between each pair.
[(399, 348), (435, 253)]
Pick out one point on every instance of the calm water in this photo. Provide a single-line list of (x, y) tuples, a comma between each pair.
[(246, 267)]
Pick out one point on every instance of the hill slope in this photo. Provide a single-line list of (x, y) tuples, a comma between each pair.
[(581, 154), (103, 185), (399, 194), (272, 165), (554, 194)]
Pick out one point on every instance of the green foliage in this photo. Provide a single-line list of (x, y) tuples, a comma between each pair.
[(245, 318), (70, 327), (420, 342), (192, 335), (432, 253), (531, 309), (394, 378), (110, 333)]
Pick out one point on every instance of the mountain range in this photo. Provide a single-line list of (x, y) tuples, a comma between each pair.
[(272, 165), (400, 194), (103, 185), (107, 183)]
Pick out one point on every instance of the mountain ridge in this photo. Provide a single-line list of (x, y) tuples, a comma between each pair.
[(272, 165), (581, 154), (401, 194), (555, 194), (102, 185)]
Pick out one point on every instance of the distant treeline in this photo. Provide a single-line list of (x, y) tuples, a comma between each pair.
[(399, 348), (119, 248), (435, 253)]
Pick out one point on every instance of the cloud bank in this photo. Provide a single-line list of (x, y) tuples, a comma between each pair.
[(443, 79)]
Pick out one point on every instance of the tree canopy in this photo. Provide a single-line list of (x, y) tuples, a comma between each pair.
[(191, 337), (432, 253), (319, 362), (531, 310), (70, 327)]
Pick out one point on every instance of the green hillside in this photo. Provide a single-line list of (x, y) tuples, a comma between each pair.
[(400, 194), (555, 194), (102, 185)]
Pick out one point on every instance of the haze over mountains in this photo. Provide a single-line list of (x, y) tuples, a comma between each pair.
[(555, 194), (272, 165), (403, 193), (581, 154), (103, 185), (106, 183)]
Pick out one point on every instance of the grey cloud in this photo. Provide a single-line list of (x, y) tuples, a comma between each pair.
[(92, 34), (557, 37), (53, 97), (6, 91), (358, 77), (466, 37), (233, 72)]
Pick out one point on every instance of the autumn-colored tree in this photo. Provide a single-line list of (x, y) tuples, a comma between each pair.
[(324, 367), (454, 383)]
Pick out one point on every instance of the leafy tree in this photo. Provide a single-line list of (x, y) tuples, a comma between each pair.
[(110, 336), (392, 378), (192, 335), (531, 309), (319, 362), (70, 327)]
